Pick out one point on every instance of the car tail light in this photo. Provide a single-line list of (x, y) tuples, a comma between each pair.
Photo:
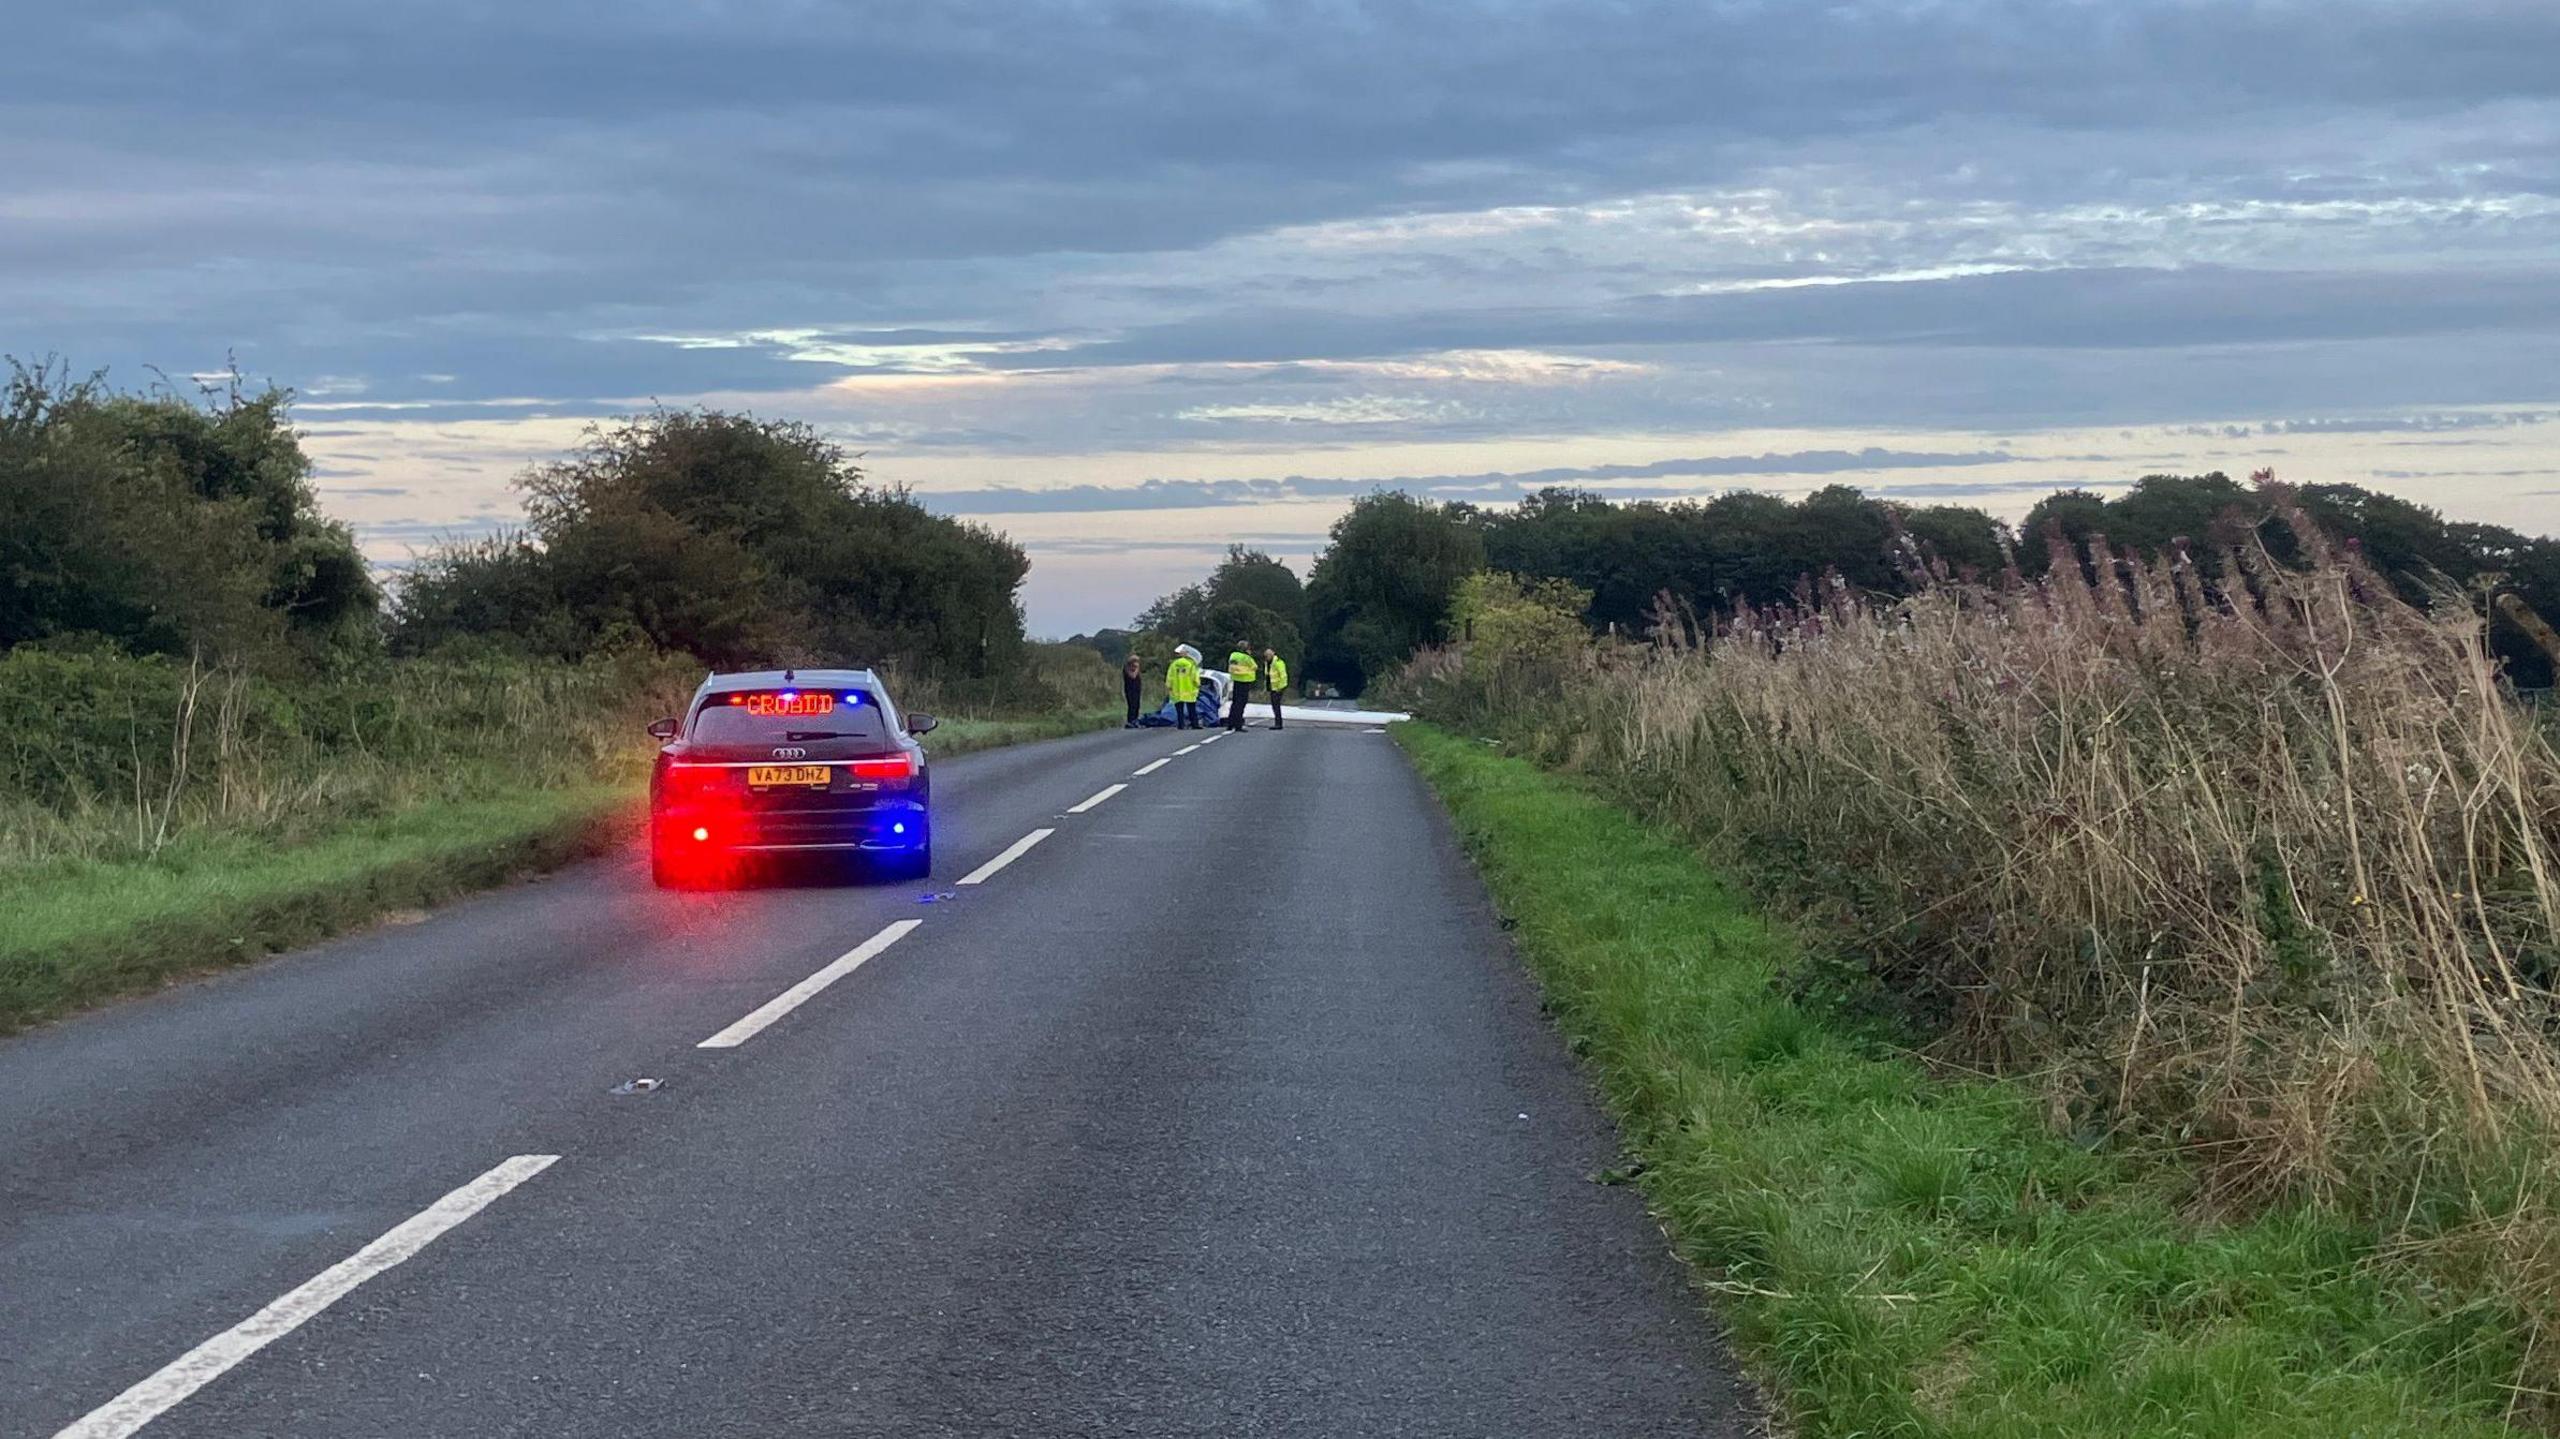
[(685, 781), (897, 766)]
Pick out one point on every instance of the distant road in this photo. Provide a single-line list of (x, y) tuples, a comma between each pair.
[(1219, 1109)]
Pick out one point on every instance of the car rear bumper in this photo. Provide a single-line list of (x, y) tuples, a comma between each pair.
[(886, 826)]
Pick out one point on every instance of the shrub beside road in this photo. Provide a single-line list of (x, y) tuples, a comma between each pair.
[(1900, 1252)]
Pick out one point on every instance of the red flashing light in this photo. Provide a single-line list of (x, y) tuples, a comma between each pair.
[(699, 835), (901, 766), (696, 779)]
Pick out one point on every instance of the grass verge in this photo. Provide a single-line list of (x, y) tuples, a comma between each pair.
[(1899, 1254), (84, 932)]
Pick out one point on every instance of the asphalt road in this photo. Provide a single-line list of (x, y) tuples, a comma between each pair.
[(1223, 1110)]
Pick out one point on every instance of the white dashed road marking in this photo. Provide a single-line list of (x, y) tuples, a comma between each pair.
[(799, 994), (1151, 767), (1020, 847), (1095, 798), (209, 1361)]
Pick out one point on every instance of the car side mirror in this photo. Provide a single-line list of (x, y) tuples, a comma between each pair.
[(920, 724), (664, 729)]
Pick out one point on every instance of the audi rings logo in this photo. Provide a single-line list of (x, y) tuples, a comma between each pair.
[(791, 753)]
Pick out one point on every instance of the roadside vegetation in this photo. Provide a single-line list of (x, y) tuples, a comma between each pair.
[(218, 737), (2222, 882), (157, 817), (1902, 1251)]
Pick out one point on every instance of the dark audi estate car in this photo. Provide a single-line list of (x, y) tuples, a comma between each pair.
[(783, 763)]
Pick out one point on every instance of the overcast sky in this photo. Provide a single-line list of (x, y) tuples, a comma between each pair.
[(1130, 280)]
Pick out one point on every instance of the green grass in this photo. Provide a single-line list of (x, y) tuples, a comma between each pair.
[(961, 736), (1903, 1255), (83, 931), (90, 931)]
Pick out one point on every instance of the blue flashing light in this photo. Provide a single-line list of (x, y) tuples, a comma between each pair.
[(898, 828), (853, 697)]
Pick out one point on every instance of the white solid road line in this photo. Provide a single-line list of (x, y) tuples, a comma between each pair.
[(1020, 847), (1151, 767), (799, 994), (208, 1361), (1186, 749), (1096, 798)]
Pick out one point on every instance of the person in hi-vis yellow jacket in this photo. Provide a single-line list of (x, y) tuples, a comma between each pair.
[(1275, 676), (1182, 686), (1241, 674)]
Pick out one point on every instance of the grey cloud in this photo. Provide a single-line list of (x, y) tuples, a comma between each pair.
[(2464, 474), (2067, 309), (2419, 423), (1491, 486), (764, 163), (2453, 421)]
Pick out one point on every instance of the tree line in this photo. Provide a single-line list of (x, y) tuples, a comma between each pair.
[(163, 522), (1393, 574), (169, 523)]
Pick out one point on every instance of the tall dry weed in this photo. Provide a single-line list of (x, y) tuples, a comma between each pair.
[(2248, 857)]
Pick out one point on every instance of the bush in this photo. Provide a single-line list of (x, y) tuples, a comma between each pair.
[(736, 541), (161, 526)]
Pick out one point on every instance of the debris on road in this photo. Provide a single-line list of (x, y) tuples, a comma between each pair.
[(642, 1085), (931, 897)]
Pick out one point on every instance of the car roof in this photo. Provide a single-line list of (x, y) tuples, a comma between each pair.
[(785, 679)]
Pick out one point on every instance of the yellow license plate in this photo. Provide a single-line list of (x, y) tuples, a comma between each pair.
[(769, 776)]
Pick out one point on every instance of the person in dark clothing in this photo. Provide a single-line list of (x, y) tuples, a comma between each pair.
[(1129, 690)]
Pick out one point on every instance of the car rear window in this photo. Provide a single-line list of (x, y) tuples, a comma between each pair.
[(782, 716)]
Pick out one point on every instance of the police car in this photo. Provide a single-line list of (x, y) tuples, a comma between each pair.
[(783, 763)]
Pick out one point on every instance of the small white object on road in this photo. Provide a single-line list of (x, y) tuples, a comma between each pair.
[(191, 1371), (1017, 850), (799, 994), (1150, 767), (1096, 798)]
